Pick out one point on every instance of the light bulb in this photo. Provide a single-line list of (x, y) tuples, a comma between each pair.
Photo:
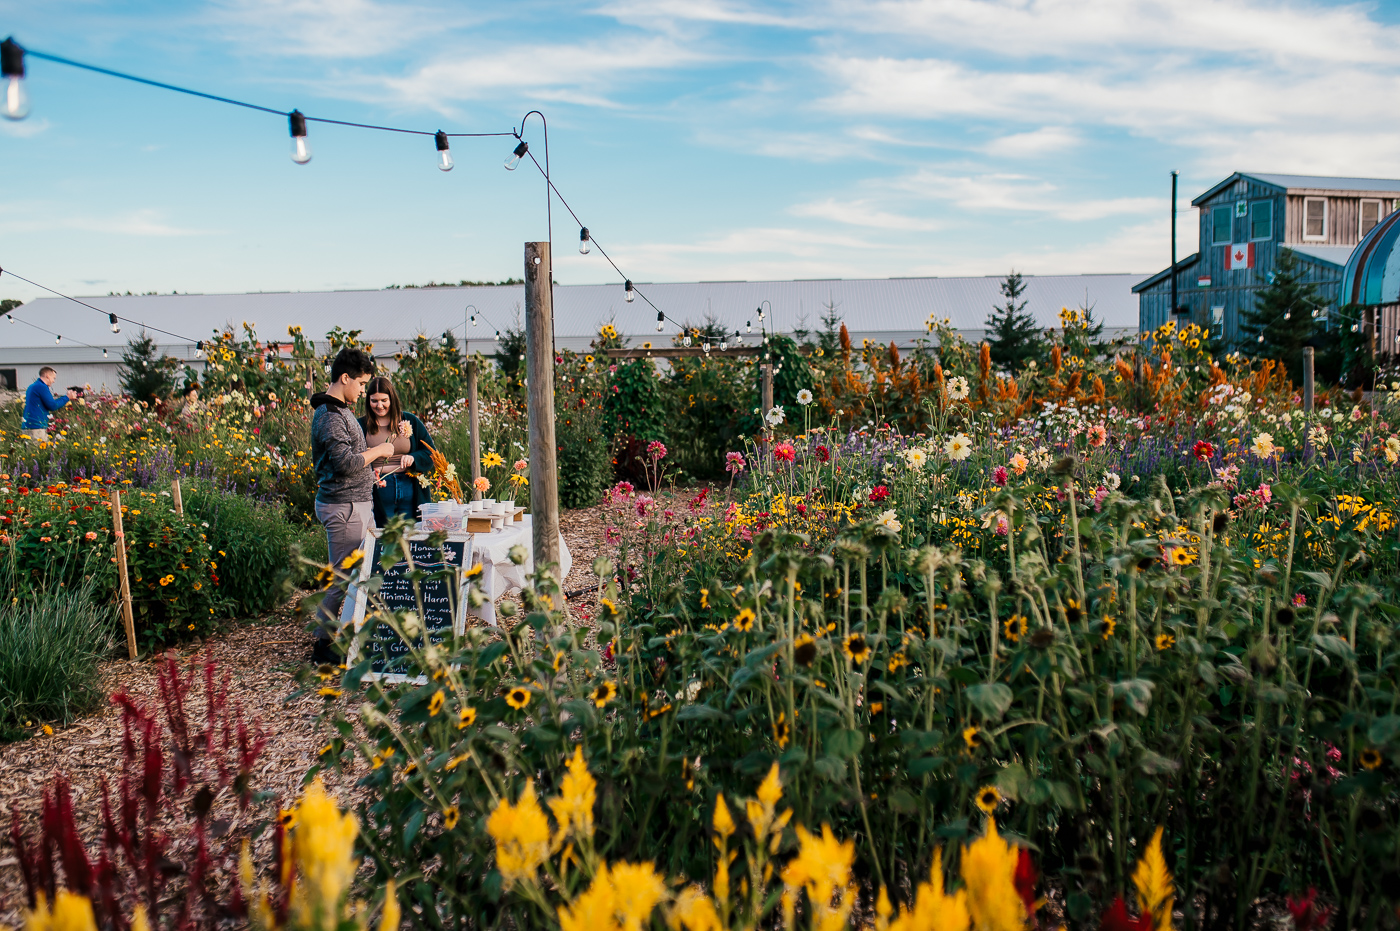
[(12, 67), (112, 319), (723, 343), (473, 319), (1261, 337), (748, 326), (104, 353), (705, 346), (444, 156), (57, 338), (583, 241), (686, 340), (629, 292), (517, 155), (301, 148), (1356, 328), (660, 321), (1288, 315), (199, 350)]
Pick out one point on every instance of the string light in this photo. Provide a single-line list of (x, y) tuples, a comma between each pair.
[(517, 155), (301, 148), (112, 319), (57, 339), (12, 68), (199, 349), (748, 326), (583, 241), (629, 292), (444, 156), (660, 321)]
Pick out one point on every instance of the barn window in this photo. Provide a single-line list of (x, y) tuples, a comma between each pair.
[(1314, 218), (1261, 219), (1222, 220), (1370, 215)]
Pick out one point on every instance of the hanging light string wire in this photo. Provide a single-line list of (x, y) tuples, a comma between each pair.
[(11, 314)]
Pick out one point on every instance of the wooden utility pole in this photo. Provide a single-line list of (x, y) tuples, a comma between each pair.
[(474, 425), (539, 371), (128, 620), (177, 499), (1308, 353)]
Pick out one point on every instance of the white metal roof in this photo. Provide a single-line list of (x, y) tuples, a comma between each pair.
[(1337, 255), (881, 309), (1325, 183)]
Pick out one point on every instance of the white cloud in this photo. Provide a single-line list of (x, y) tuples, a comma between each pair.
[(332, 28), (666, 13), (1019, 193), (861, 213), (25, 129), (1041, 141), (143, 222)]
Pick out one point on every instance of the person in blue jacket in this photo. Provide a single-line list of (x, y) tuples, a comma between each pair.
[(40, 401), (397, 491)]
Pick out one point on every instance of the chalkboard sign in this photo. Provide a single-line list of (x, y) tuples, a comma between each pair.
[(443, 604)]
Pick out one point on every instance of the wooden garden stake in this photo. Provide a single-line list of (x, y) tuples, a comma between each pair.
[(539, 370), (176, 497), (128, 621), (765, 403), (474, 423), (1308, 353)]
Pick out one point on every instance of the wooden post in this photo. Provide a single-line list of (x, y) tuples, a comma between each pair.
[(539, 371), (1308, 353), (765, 382), (128, 620), (176, 498), (474, 425)]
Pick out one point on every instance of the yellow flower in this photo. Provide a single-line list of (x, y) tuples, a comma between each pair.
[(988, 871), (518, 697), (723, 821), (328, 692), (323, 848), (1015, 627), (609, 608), (353, 560), (934, 910), (1370, 758), (804, 650), (435, 703), (491, 460), (521, 833), (897, 660), (1165, 641), (474, 571), (744, 621), (71, 912), (823, 867), (1109, 626), (1154, 884), (389, 918), (855, 648), (620, 897), (450, 816), (782, 731), (604, 693), (166, 580), (573, 806), (704, 597), (466, 718), (972, 736), (988, 798), (694, 911)]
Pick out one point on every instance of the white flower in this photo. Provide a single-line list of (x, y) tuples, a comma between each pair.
[(804, 397), (965, 501), (957, 388), (1263, 445), (692, 690), (1318, 436), (1338, 417), (958, 447), (1392, 443), (775, 416), (1111, 481), (915, 458), (888, 521)]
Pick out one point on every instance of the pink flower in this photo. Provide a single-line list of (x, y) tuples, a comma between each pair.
[(613, 535), (822, 453), (734, 462), (1333, 754), (89, 536), (1098, 435), (1265, 493), (643, 503), (656, 450), (1300, 600), (784, 452), (257, 429), (623, 490), (731, 513), (1003, 525), (801, 508), (521, 465), (999, 476)]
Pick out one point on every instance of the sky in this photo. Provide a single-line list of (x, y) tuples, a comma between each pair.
[(699, 140)]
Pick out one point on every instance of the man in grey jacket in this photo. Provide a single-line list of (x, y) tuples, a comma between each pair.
[(344, 479)]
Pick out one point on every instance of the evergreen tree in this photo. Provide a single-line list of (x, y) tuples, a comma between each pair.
[(145, 374), (510, 356), (829, 339), (1281, 322), (1012, 333), (9, 304)]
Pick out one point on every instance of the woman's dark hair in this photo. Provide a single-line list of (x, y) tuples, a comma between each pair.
[(381, 385), (352, 362)]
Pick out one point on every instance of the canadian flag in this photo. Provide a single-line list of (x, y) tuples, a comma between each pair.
[(1240, 255)]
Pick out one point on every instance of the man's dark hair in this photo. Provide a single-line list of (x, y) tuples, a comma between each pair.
[(46, 370), (352, 362)]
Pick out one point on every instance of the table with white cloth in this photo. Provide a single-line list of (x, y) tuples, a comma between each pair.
[(500, 576)]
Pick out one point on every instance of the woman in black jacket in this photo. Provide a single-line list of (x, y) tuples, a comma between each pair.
[(398, 491)]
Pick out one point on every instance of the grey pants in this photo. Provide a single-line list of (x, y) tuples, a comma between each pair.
[(346, 524)]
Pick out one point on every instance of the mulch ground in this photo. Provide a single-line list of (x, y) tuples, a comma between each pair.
[(262, 658)]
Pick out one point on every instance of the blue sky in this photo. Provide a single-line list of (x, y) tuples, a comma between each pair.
[(698, 139)]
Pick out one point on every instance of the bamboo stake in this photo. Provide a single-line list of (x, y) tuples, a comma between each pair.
[(128, 621), (177, 498)]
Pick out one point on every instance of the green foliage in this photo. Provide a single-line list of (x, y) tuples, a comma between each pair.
[(1012, 333), (247, 365), (252, 543), (580, 430), (430, 374), (635, 407), (145, 374), (1281, 322), (510, 358), (50, 647)]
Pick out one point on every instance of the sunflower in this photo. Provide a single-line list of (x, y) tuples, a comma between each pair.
[(876, 707), (323, 578), (608, 608), (518, 697), (1109, 626), (491, 460), (896, 661), (287, 817), (704, 597), (1181, 556), (1370, 758), (558, 659), (1015, 627), (658, 712), (435, 703), (449, 817), (475, 571), (744, 622), (804, 650), (988, 798), (972, 736), (604, 693), (466, 718), (1165, 641), (329, 692), (782, 732), (1072, 611), (354, 559), (855, 648)]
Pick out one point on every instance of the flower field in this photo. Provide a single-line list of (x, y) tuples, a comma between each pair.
[(1093, 643)]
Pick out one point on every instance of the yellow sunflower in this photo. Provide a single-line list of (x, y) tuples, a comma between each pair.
[(491, 460), (972, 736), (466, 718), (988, 798), (1015, 627), (744, 622), (804, 650), (450, 816), (604, 693), (435, 703), (1109, 626), (1165, 641), (518, 697), (1370, 758), (856, 649)]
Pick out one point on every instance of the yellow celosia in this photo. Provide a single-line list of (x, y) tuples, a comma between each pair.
[(934, 910), (323, 845), (594, 910), (521, 833), (761, 811), (822, 865), (70, 912), (1154, 884), (988, 872), (723, 822), (389, 917), (694, 911), (573, 806), (620, 898), (139, 921)]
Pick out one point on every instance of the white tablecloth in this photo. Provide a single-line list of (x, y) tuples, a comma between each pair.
[(500, 576)]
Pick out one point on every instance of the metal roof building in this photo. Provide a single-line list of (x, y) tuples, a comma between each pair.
[(883, 310)]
